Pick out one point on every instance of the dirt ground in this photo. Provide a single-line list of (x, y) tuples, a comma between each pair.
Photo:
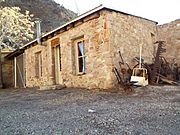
[(152, 110)]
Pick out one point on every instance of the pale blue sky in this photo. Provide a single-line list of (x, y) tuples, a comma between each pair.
[(162, 11)]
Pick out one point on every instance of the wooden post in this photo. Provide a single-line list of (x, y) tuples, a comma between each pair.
[(140, 55), (15, 73), (1, 85)]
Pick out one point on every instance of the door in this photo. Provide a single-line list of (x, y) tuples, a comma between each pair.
[(20, 74), (56, 62)]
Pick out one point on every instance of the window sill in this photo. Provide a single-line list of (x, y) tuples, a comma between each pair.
[(80, 74), (38, 77)]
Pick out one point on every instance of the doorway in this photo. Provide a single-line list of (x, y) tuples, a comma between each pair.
[(19, 71), (56, 62)]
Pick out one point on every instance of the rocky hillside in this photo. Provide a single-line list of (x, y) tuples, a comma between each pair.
[(51, 14)]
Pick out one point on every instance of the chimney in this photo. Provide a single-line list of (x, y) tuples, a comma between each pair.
[(38, 30)]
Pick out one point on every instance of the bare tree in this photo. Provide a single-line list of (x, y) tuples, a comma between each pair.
[(15, 29)]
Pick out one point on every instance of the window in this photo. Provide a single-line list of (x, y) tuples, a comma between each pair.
[(81, 57), (58, 53), (38, 64)]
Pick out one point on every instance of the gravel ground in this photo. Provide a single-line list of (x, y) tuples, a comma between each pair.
[(147, 111)]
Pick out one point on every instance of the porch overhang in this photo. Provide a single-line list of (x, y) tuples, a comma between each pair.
[(14, 54)]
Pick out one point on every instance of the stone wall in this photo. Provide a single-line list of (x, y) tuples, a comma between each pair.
[(31, 79), (103, 36), (126, 35), (97, 51), (170, 33), (7, 71)]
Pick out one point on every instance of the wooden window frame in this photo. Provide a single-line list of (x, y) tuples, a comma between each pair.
[(60, 57), (77, 57), (38, 64)]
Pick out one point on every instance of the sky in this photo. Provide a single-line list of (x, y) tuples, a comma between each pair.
[(162, 11)]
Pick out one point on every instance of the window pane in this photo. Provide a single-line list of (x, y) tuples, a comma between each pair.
[(38, 64), (58, 48), (84, 64), (81, 57), (80, 48), (81, 64)]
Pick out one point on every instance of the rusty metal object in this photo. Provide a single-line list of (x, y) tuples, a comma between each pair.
[(122, 74), (118, 77), (126, 87), (163, 71), (159, 72), (125, 70), (157, 62)]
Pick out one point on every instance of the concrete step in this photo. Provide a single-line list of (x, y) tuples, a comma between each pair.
[(52, 87)]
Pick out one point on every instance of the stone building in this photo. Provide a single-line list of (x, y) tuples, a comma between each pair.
[(6, 78), (170, 33), (83, 52)]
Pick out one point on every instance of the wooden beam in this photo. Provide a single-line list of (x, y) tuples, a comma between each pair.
[(69, 26), (15, 70), (91, 17), (49, 36), (62, 30), (79, 22), (55, 42)]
